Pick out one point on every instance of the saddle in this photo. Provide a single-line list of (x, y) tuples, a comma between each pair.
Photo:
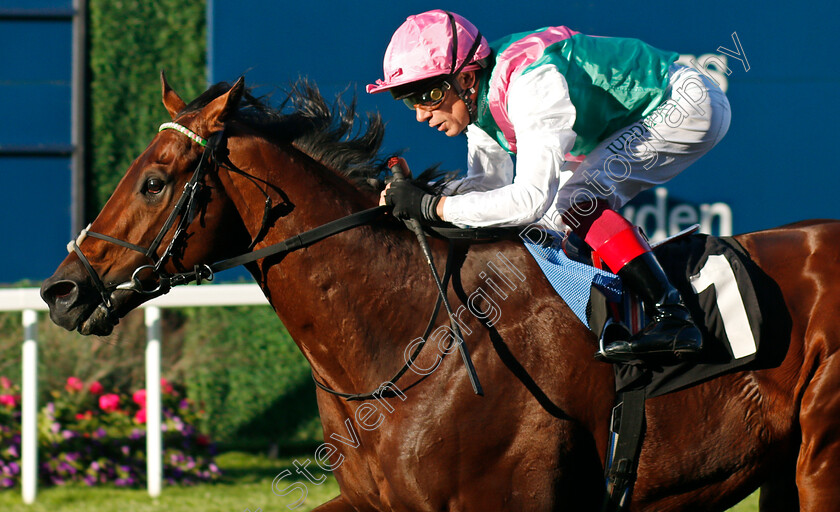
[(733, 302)]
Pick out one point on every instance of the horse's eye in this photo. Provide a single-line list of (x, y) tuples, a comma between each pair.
[(154, 185)]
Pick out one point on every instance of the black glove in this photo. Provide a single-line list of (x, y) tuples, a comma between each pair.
[(411, 202)]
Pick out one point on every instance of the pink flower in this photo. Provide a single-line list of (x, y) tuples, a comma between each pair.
[(8, 400), (96, 388), (165, 386), (74, 384), (5, 383), (139, 398), (109, 402), (140, 417)]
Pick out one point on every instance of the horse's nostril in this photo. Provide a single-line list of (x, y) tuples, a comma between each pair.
[(61, 290)]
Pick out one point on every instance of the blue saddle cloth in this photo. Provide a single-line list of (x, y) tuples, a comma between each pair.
[(573, 280), (682, 260)]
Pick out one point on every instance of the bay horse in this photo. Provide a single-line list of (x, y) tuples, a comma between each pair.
[(355, 303)]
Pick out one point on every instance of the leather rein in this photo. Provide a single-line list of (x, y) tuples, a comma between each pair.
[(184, 212)]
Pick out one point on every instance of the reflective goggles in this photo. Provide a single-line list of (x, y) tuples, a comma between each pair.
[(427, 100)]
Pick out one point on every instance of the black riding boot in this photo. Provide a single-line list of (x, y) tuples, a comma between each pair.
[(671, 330)]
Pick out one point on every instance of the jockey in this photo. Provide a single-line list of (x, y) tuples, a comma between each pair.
[(624, 110)]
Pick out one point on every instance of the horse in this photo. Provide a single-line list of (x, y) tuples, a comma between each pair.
[(356, 304)]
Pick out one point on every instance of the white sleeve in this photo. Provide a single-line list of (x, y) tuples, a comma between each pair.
[(542, 115), (489, 166)]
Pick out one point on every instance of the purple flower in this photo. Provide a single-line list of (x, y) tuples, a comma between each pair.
[(13, 451), (136, 434), (68, 434), (90, 480), (14, 468), (55, 428), (125, 450), (214, 468), (50, 408), (184, 404), (100, 433), (7, 482), (94, 466)]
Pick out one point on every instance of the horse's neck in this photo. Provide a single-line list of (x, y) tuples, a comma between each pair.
[(334, 296)]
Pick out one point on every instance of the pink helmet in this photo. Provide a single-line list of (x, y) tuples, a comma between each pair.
[(424, 47)]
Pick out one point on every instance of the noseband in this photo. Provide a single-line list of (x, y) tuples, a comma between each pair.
[(184, 209)]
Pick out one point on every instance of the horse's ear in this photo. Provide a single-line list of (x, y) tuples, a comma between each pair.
[(171, 100), (218, 110)]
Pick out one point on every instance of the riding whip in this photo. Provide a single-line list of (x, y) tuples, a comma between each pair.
[(414, 225)]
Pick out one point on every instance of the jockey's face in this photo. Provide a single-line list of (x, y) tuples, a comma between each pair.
[(451, 115)]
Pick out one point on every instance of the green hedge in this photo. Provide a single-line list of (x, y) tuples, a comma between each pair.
[(130, 43), (252, 379)]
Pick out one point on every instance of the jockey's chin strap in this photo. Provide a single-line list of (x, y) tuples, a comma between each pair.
[(464, 94)]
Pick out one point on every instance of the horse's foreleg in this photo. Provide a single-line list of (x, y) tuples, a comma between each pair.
[(779, 494), (818, 466), (337, 504)]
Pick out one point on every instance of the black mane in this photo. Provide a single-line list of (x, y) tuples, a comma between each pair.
[(331, 134)]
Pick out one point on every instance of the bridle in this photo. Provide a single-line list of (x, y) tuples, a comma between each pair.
[(185, 210)]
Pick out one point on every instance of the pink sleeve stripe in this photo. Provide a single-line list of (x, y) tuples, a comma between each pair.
[(512, 61)]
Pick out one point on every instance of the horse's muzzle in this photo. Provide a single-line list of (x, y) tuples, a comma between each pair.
[(73, 305)]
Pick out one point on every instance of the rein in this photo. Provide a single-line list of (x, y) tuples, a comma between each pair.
[(186, 207)]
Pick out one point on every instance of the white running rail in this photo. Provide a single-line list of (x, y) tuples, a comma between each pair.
[(28, 301)]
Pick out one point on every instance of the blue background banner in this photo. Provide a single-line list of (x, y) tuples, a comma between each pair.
[(35, 138), (773, 167)]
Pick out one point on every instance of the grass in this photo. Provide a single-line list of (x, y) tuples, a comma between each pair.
[(247, 485)]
